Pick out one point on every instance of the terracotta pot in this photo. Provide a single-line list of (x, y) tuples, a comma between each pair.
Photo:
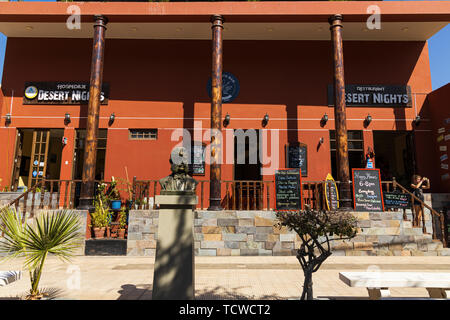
[(108, 232), (121, 233), (99, 233)]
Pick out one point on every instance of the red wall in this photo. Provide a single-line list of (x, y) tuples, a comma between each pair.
[(439, 110), (162, 84)]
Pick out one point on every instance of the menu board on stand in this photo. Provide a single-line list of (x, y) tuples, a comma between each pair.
[(288, 190), (367, 192)]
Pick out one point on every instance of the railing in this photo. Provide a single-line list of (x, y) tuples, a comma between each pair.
[(50, 194), (239, 195), (434, 214)]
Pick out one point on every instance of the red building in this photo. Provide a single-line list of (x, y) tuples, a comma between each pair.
[(157, 65)]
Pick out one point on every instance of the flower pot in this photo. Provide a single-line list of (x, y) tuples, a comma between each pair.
[(116, 204), (121, 233), (108, 232), (99, 233)]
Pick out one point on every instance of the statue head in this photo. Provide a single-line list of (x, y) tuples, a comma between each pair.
[(179, 160)]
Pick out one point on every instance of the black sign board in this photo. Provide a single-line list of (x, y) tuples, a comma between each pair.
[(357, 95), (396, 200), (61, 93), (297, 157), (288, 190), (197, 165), (367, 194)]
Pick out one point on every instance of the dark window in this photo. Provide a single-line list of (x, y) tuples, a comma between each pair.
[(355, 150), (143, 134)]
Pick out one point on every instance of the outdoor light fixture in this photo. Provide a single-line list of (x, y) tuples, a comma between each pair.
[(368, 120), (226, 121), (417, 120), (265, 120), (111, 118), (324, 120), (8, 118), (321, 140), (67, 118)]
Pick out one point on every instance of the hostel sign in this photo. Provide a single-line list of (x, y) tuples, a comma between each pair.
[(357, 95), (61, 93)]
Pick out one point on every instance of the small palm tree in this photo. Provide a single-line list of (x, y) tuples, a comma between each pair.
[(54, 233)]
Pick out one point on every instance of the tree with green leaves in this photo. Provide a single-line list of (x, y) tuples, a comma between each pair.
[(55, 233), (316, 229)]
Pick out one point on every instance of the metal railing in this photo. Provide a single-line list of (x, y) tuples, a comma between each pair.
[(434, 214), (238, 195)]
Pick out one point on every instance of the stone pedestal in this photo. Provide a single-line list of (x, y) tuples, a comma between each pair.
[(173, 277)]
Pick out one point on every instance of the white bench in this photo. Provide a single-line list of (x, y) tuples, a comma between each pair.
[(7, 277), (378, 283)]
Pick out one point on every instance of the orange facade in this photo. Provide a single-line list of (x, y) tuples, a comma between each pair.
[(162, 84)]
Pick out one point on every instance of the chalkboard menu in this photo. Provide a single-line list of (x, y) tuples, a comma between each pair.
[(396, 200), (288, 190), (331, 193), (197, 165), (367, 194), (296, 157)]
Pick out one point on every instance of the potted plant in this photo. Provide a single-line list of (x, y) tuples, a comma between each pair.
[(113, 195), (122, 223), (100, 216)]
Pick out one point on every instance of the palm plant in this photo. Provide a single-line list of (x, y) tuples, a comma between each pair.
[(51, 233)]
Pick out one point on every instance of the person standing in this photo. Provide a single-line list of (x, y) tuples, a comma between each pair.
[(418, 184)]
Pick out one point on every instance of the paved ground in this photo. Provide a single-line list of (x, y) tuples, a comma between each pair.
[(89, 278)]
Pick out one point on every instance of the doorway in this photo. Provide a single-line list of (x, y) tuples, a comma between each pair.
[(78, 159), (247, 167), (355, 150), (38, 156), (394, 155)]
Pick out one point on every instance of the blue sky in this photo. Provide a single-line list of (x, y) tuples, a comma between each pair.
[(439, 51)]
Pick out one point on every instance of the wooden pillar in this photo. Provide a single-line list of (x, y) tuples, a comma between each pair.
[(90, 153), (340, 113), (216, 113)]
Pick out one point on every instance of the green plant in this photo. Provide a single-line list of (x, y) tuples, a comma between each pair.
[(122, 218), (56, 233), (316, 229), (101, 216)]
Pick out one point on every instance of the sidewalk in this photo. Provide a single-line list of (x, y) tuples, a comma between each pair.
[(114, 277)]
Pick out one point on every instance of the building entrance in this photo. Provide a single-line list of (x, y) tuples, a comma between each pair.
[(247, 169), (38, 156), (394, 155)]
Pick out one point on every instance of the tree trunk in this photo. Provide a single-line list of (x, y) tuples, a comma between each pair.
[(307, 293)]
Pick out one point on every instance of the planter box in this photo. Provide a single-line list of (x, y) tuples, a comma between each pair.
[(105, 247)]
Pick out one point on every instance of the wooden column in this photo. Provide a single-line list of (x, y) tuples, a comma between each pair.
[(90, 153), (216, 113), (343, 171)]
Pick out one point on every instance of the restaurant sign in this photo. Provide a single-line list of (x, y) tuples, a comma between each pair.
[(357, 95), (61, 93)]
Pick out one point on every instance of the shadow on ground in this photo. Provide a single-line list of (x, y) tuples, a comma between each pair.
[(135, 292), (48, 294), (144, 292)]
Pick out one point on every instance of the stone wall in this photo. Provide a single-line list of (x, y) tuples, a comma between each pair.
[(83, 217), (227, 233)]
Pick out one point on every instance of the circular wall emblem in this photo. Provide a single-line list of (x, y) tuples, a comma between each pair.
[(230, 87), (31, 92)]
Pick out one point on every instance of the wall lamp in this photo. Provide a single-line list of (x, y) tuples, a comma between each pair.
[(265, 120), (111, 118), (8, 118), (417, 120), (226, 121), (368, 120), (321, 140), (67, 118), (324, 120)]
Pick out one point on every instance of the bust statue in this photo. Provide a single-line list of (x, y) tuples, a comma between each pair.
[(179, 179)]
